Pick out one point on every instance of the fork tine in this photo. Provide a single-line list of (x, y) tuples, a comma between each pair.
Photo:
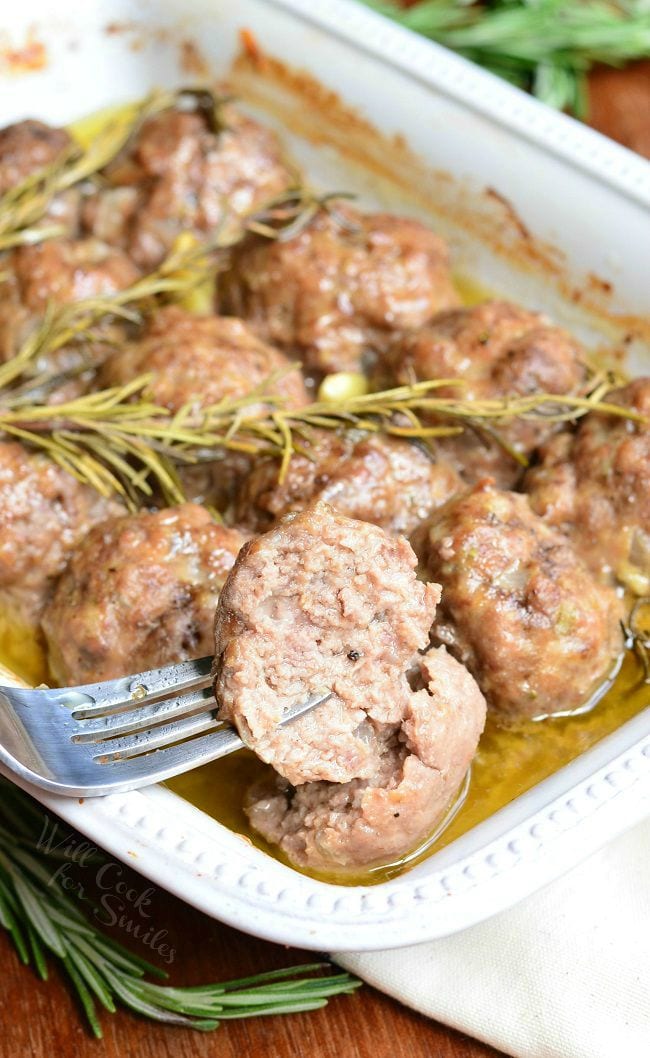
[(143, 716), (155, 738), (129, 691)]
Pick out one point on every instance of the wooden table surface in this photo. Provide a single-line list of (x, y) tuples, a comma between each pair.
[(40, 1020)]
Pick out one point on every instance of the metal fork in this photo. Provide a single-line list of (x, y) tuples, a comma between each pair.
[(104, 738)]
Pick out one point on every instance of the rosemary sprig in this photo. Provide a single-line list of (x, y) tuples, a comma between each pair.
[(26, 203), (544, 46), (43, 920), (184, 269), (115, 440)]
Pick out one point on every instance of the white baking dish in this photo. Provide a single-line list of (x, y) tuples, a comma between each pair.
[(570, 187)]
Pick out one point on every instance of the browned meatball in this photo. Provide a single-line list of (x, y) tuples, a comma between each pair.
[(59, 272), (419, 767), (333, 294), (29, 147), (179, 176), (321, 601), (379, 479), (140, 591), (497, 349), (202, 360), (518, 606), (594, 484), (44, 514)]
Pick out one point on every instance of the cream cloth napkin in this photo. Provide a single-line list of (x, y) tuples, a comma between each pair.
[(564, 974)]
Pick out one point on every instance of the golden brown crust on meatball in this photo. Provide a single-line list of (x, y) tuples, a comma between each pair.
[(59, 272), (498, 349), (333, 294), (594, 484), (379, 479), (44, 514), (202, 360), (519, 608), (179, 176), (140, 591), (25, 148)]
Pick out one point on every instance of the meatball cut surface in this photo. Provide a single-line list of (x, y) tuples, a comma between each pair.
[(179, 176), (419, 766), (321, 601), (44, 514), (202, 360), (497, 349), (594, 484), (519, 608), (333, 294), (140, 591), (375, 478)]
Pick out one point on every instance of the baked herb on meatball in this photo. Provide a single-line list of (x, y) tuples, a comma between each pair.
[(332, 296), (594, 485), (420, 765), (497, 349), (373, 477), (44, 514), (519, 608), (326, 601), (178, 175), (139, 591)]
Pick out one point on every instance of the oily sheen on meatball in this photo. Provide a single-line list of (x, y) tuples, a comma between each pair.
[(44, 514), (519, 608), (594, 485), (139, 591), (379, 479), (497, 349), (332, 295), (419, 766), (179, 176)]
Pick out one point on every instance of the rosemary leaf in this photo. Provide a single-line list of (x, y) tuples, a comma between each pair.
[(546, 46), (40, 916)]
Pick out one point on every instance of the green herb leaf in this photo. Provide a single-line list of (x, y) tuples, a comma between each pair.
[(38, 915)]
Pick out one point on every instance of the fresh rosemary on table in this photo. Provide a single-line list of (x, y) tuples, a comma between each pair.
[(117, 441), (43, 921), (544, 46)]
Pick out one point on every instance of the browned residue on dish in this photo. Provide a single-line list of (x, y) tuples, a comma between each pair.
[(192, 61), (317, 113), (29, 57)]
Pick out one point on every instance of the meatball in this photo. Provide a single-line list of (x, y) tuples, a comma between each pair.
[(498, 350), (594, 484), (419, 768), (202, 360), (180, 176), (60, 272), (519, 608), (28, 147), (321, 601), (332, 295), (44, 514), (379, 479), (140, 591)]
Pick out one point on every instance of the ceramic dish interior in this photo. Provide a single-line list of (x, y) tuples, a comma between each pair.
[(411, 128)]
